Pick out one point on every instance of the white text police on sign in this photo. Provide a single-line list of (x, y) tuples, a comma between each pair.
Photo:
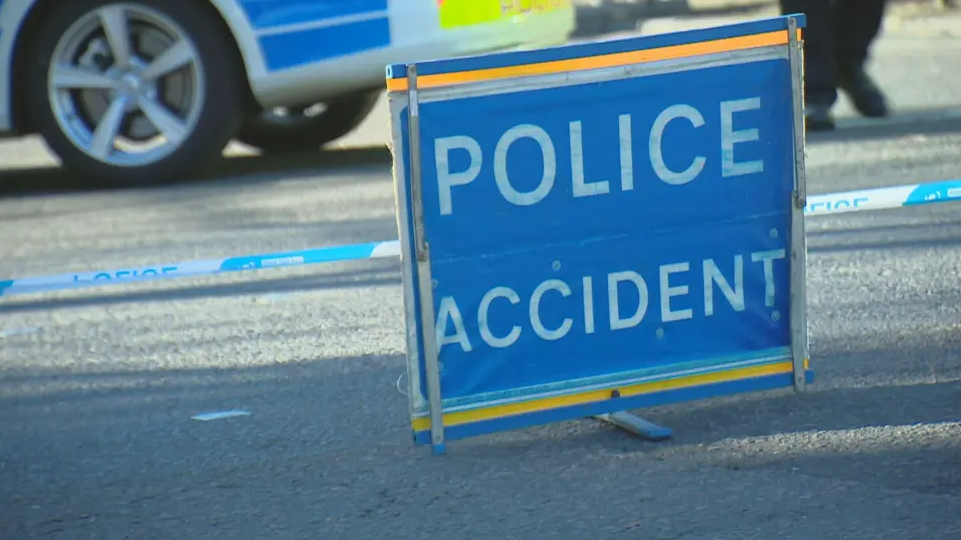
[(644, 222)]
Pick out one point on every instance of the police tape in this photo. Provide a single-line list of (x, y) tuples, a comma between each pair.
[(883, 198), (371, 250), (817, 205)]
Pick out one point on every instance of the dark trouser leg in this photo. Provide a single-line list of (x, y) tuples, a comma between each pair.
[(857, 24), (819, 84)]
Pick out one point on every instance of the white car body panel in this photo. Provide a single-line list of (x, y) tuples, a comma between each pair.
[(298, 52)]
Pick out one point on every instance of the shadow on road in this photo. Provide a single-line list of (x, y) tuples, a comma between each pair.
[(943, 234), (248, 169), (232, 169), (600, 17), (332, 434), (610, 16), (929, 121)]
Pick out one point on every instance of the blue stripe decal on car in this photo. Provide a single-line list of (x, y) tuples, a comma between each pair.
[(265, 14), (291, 49)]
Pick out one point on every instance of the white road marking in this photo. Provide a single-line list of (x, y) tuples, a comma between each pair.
[(206, 417), (24, 331)]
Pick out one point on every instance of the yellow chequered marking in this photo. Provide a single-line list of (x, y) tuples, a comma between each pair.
[(464, 13)]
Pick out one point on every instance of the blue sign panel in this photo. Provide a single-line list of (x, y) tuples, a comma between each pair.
[(600, 237)]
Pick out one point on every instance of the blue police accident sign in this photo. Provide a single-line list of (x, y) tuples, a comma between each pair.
[(605, 226)]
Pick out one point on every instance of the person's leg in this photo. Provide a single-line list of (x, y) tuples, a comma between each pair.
[(857, 24), (820, 91)]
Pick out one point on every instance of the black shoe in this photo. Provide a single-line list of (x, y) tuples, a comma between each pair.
[(864, 93), (818, 118)]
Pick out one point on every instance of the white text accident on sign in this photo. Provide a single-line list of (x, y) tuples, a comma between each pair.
[(448, 180), (676, 282)]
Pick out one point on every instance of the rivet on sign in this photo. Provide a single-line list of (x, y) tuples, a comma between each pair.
[(433, 284), (659, 333), (772, 233), (615, 393), (556, 265), (775, 315)]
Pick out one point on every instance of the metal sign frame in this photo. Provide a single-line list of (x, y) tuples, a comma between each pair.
[(405, 96)]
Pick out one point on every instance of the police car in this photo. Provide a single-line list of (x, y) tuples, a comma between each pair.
[(136, 91)]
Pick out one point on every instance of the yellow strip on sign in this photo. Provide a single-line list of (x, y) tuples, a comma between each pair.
[(551, 403), (687, 50)]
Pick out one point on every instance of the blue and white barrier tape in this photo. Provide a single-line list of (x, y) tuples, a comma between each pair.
[(817, 205), (881, 198), (373, 250)]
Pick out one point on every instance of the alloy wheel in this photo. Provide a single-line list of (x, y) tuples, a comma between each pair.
[(126, 85)]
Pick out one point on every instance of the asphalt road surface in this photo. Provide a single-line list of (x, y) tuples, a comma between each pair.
[(98, 387)]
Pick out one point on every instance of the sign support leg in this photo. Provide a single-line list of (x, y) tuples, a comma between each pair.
[(636, 425), (799, 343), (425, 282)]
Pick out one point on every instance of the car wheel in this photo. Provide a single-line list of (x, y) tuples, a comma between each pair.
[(134, 92), (306, 128)]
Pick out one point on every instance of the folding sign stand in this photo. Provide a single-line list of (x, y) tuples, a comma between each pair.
[(472, 242), (636, 425)]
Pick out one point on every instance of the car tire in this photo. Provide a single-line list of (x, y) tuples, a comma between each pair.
[(178, 76), (299, 131)]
